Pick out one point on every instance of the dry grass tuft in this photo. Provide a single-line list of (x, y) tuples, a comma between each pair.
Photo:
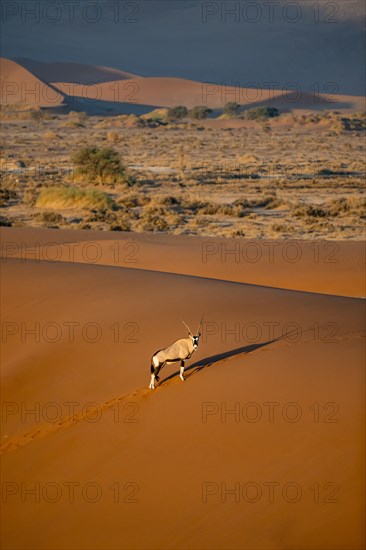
[(73, 198)]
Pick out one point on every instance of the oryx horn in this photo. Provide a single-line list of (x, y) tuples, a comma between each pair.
[(185, 324), (199, 326)]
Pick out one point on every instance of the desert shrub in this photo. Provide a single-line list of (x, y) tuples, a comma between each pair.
[(268, 202), (134, 200), (281, 228), (79, 118), (134, 121), (171, 201), (308, 210), (358, 206), (123, 224), (103, 215), (154, 211), (231, 109), (37, 115), (71, 124), (113, 137), (223, 209), (261, 112), (199, 113), (339, 206), (234, 210), (73, 197), (200, 222), (7, 196), (5, 222), (238, 233), (177, 113), (346, 206), (100, 165), (354, 123), (151, 222), (50, 135), (209, 209), (157, 115), (120, 226), (244, 203), (9, 165), (49, 219), (175, 219), (193, 207), (30, 196)]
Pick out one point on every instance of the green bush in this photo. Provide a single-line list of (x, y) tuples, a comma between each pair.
[(261, 112), (101, 166), (177, 113), (232, 109), (199, 113)]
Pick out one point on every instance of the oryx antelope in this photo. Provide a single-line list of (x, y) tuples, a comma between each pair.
[(181, 350)]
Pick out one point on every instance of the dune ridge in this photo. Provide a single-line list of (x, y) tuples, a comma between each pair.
[(18, 85), (73, 72), (67, 82), (170, 91), (324, 267)]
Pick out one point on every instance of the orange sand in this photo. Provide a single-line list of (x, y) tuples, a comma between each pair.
[(174, 452)]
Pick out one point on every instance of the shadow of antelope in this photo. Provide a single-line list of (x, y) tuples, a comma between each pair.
[(207, 362)]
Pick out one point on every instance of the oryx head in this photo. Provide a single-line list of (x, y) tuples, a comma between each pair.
[(195, 338)]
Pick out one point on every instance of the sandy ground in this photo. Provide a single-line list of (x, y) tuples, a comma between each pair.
[(114, 465), (301, 179)]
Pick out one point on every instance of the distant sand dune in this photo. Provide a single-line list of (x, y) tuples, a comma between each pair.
[(168, 92), (73, 72), (100, 87), (17, 85)]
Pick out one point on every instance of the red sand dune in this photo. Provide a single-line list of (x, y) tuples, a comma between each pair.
[(73, 72), (25, 82), (18, 85), (168, 92), (160, 464), (323, 266)]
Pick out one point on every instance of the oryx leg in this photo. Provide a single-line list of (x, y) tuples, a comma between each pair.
[(155, 368), (181, 370)]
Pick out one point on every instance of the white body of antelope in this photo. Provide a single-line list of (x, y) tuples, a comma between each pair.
[(179, 351)]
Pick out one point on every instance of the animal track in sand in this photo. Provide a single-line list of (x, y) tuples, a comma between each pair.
[(23, 439)]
